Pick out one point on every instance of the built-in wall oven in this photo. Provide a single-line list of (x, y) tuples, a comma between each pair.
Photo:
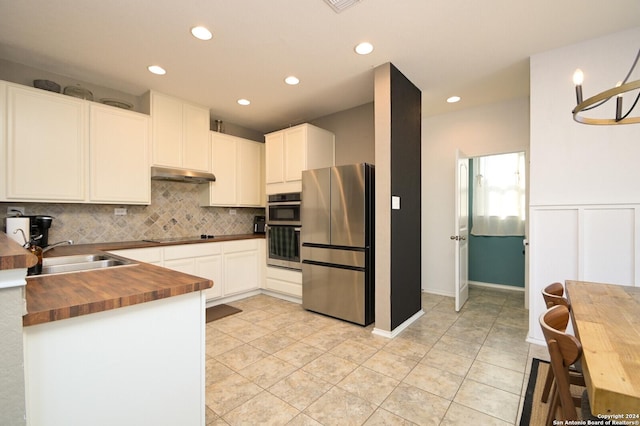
[(283, 230)]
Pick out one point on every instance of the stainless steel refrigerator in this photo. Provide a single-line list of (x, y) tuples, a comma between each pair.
[(337, 216)]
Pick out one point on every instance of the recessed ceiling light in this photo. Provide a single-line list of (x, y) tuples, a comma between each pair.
[(292, 80), (364, 48), (157, 69), (201, 33), (244, 101), (453, 99)]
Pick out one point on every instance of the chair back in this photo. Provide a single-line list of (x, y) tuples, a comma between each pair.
[(564, 350), (553, 295)]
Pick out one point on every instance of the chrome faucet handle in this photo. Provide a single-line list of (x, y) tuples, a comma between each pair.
[(24, 237)]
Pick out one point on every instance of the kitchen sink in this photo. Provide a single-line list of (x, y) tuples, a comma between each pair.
[(88, 262)]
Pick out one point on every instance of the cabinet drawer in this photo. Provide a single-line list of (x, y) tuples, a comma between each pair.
[(148, 255), (191, 250), (240, 245)]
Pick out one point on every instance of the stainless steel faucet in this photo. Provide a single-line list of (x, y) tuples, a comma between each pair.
[(59, 243)]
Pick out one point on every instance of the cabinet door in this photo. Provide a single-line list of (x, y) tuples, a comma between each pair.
[(241, 272), (166, 116), (186, 266), (196, 147), (250, 185), (3, 139), (294, 154), (46, 146), (274, 158), (119, 153), (210, 267), (224, 151)]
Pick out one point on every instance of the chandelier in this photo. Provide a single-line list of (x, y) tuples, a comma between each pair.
[(599, 99)]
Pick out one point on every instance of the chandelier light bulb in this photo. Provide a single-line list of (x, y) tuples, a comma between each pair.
[(578, 77)]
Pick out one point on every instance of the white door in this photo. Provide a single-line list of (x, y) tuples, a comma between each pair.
[(461, 231)]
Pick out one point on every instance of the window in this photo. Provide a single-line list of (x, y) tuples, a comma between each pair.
[(499, 195)]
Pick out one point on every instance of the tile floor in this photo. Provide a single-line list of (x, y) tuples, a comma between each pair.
[(275, 363)]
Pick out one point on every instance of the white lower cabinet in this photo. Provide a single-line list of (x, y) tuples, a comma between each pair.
[(235, 267), (241, 266), (284, 281)]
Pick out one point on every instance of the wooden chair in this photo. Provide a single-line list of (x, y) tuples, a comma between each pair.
[(564, 350), (553, 295)]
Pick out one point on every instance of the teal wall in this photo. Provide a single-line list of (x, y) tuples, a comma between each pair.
[(495, 260)]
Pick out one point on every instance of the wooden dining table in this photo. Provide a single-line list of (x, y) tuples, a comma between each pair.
[(606, 320)]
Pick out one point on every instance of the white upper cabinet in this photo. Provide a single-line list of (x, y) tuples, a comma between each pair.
[(46, 146), (63, 149), (180, 133), (238, 165), (292, 150), (119, 147)]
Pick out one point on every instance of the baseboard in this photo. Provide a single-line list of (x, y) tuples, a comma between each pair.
[(393, 333), (282, 296), (495, 286), (438, 292)]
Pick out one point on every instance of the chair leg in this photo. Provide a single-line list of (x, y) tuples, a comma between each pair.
[(553, 405), (547, 385)]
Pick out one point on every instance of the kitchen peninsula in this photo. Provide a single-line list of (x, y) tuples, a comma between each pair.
[(131, 337)]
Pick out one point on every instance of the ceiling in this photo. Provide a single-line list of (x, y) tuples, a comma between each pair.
[(478, 50)]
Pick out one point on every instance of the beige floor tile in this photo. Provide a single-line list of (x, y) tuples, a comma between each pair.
[(511, 360), (263, 408), (330, 368), (460, 415), (447, 361), (468, 332), (353, 351), (390, 364), (416, 405), (221, 344), (424, 336), (215, 371), (499, 377), (296, 331), (488, 399), (272, 343), (457, 346), (369, 385), (240, 357), (339, 407), (407, 348), (434, 380), (382, 417), (229, 393), (230, 324), (303, 420), (300, 389), (509, 339), (514, 317), (324, 339), (267, 371), (254, 316), (299, 354)]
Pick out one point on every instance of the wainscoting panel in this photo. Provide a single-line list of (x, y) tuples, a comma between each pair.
[(588, 243)]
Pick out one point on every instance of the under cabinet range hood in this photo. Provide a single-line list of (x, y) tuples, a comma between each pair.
[(181, 175)]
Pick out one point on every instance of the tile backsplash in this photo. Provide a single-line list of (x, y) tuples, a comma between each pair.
[(174, 212)]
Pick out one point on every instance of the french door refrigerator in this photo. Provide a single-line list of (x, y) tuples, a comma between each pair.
[(337, 216)]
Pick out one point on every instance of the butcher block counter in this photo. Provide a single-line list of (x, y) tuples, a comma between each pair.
[(139, 358), (61, 296)]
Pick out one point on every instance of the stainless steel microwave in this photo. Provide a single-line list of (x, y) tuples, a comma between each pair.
[(284, 209)]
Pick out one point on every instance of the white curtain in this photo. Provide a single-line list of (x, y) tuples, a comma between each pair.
[(499, 195)]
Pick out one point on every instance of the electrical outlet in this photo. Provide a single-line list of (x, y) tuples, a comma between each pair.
[(12, 210), (232, 212), (120, 211)]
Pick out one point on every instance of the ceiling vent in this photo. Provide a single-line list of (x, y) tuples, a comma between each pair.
[(340, 5)]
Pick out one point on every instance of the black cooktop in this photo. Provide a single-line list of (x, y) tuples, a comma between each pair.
[(179, 239)]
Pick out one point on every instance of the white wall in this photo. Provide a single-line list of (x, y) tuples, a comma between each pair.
[(490, 129), (584, 191)]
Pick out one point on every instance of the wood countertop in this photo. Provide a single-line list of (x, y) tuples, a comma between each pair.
[(60, 296), (14, 256)]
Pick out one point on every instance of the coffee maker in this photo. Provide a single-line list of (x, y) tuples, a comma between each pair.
[(40, 229)]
